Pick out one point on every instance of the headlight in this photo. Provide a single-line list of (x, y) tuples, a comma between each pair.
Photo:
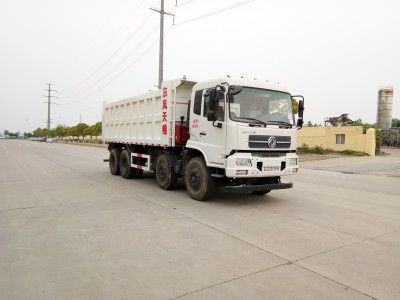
[(293, 161), (243, 162)]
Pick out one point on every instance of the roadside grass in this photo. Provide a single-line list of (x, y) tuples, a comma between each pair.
[(352, 153), (305, 149)]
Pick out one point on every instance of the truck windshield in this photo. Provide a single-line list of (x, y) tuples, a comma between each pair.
[(267, 106)]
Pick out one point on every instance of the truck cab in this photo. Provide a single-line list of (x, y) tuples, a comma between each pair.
[(246, 133), (233, 134)]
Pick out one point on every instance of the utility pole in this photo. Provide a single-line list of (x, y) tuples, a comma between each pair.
[(162, 12), (49, 102)]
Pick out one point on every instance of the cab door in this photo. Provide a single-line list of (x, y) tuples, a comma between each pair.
[(208, 138)]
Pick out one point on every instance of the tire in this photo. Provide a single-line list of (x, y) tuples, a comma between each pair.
[(125, 168), (113, 161), (198, 180), (165, 175), (261, 193)]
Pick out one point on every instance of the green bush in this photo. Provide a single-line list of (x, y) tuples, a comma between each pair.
[(314, 150), (352, 153), (306, 149)]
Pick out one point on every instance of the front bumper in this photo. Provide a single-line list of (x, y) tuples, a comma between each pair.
[(258, 187), (261, 166)]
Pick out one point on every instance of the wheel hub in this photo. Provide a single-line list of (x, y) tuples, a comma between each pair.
[(195, 178), (162, 172)]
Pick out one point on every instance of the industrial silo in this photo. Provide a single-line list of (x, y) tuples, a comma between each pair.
[(385, 104)]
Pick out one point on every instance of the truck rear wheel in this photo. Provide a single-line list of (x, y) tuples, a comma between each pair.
[(165, 175), (125, 166), (198, 180), (113, 161)]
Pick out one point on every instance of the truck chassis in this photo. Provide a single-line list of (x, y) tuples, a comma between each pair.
[(170, 164)]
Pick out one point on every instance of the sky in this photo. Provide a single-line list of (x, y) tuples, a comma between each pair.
[(337, 54)]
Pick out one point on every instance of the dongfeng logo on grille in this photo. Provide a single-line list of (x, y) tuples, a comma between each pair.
[(271, 142)]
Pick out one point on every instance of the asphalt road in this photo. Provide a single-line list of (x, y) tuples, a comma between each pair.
[(70, 230)]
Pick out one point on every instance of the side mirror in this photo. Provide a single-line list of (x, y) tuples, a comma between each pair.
[(300, 123), (300, 111), (235, 89), (301, 108)]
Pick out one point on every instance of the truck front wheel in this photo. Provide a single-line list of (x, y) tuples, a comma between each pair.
[(113, 161), (198, 180), (165, 175)]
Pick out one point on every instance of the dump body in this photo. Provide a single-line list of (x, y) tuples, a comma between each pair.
[(147, 119)]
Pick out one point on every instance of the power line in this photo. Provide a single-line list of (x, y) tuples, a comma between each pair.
[(137, 59), (111, 56), (162, 12), (116, 33), (143, 53), (184, 3), (117, 50), (216, 12), (111, 15), (126, 57)]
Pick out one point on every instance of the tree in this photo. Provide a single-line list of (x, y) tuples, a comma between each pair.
[(60, 131), (46, 132), (37, 132), (51, 133), (396, 123), (11, 134), (72, 131), (96, 129), (80, 128), (88, 131)]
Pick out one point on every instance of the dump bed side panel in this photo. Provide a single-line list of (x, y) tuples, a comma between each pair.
[(147, 119), (137, 120)]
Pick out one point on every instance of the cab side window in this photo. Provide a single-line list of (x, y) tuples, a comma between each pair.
[(220, 110), (197, 102), (205, 106)]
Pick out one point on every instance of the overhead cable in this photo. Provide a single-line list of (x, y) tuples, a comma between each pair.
[(216, 12), (143, 53)]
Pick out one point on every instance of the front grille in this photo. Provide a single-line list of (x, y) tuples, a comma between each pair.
[(261, 141), (268, 154)]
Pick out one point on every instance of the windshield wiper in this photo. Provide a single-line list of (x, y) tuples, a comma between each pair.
[(279, 123), (254, 122)]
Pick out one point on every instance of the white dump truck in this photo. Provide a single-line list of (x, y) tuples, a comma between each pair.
[(233, 134)]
